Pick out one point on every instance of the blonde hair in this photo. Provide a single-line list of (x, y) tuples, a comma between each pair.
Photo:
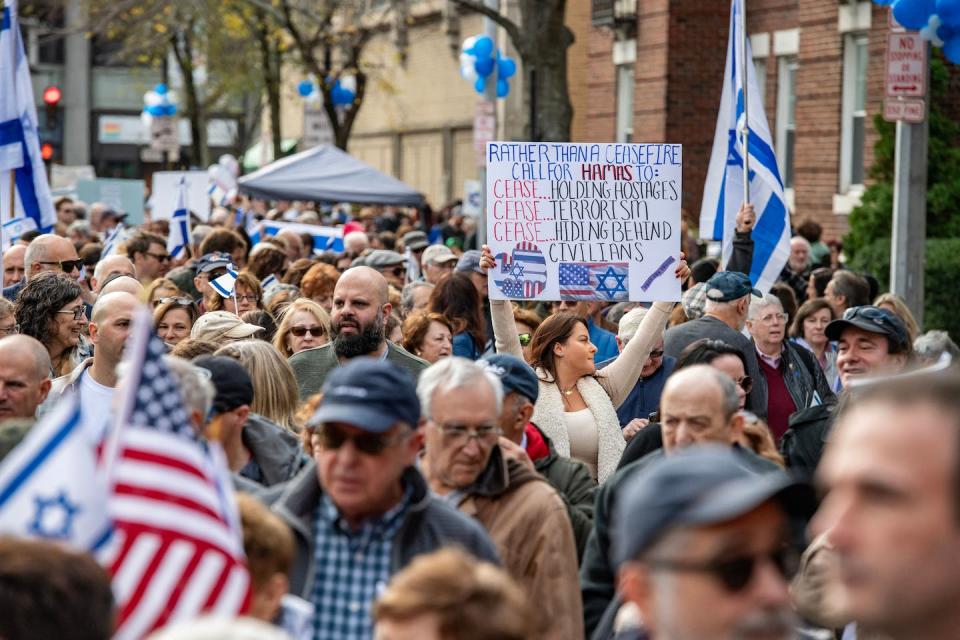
[(300, 304), (902, 311), (274, 385), (162, 283), (215, 302), (471, 600)]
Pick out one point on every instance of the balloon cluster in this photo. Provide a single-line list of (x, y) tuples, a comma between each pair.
[(223, 180), (937, 21), (479, 59), (342, 93), (160, 101)]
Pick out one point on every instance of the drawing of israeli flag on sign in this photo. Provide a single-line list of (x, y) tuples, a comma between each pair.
[(225, 284), (723, 191), (178, 241), (19, 134)]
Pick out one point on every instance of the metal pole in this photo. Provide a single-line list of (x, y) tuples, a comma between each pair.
[(534, 135), (490, 94), (745, 128)]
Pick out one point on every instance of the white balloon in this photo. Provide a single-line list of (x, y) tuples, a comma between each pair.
[(349, 83), (469, 72), (229, 162), (152, 98), (466, 58), (147, 121), (468, 43)]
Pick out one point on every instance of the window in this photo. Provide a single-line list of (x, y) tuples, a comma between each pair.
[(854, 113), (760, 71), (625, 88), (786, 116)]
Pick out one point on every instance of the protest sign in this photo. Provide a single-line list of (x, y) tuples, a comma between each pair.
[(165, 187), (121, 195), (584, 221)]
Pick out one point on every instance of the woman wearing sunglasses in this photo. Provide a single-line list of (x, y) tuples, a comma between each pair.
[(173, 319), (160, 289), (577, 404), (50, 308), (303, 325)]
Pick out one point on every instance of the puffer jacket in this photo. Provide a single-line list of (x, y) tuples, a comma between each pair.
[(528, 522)]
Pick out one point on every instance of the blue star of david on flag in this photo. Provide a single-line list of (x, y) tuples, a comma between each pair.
[(54, 516), (594, 281)]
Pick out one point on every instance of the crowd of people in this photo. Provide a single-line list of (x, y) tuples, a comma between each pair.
[(413, 460)]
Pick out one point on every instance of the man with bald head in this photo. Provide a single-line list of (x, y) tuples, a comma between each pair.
[(24, 376), (47, 252), (109, 267), (13, 270), (96, 377), (127, 284), (360, 310)]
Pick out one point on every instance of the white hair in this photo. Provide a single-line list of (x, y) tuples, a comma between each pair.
[(455, 373), (800, 240), (757, 305), (355, 242), (629, 323)]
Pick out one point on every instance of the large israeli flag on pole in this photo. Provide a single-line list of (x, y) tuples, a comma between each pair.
[(723, 193), (19, 136), (178, 241)]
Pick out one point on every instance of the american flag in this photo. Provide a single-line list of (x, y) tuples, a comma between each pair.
[(525, 271), (594, 281), (177, 549)]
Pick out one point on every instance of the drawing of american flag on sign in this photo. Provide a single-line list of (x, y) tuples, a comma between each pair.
[(594, 281), (524, 272)]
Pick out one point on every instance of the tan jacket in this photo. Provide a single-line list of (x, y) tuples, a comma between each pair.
[(528, 522)]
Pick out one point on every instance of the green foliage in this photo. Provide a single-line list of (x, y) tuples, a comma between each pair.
[(871, 222), (941, 278)]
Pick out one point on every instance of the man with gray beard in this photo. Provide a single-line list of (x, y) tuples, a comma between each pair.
[(360, 310)]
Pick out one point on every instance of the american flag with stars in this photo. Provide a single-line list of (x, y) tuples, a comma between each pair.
[(594, 281), (177, 550)]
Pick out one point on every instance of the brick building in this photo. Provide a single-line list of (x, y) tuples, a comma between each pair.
[(656, 72)]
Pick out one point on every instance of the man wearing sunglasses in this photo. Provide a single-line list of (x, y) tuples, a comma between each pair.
[(361, 511), (47, 252), (392, 265), (149, 255), (527, 520), (705, 549)]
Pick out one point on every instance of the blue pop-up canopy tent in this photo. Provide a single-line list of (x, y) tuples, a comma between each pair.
[(327, 174)]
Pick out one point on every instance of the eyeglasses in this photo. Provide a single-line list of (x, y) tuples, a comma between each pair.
[(460, 434), (525, 339), (316, 332), (76, 312), (770, 318), (328, 437), (745, 383), (215, 273), (248, 298), (399, 271), (737, 572), (162, 257), (66, 266)]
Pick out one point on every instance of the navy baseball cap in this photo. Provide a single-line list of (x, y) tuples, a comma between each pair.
[(874, 320), (725, 286), (469, 262), (699, 486), (369, 394), (231, 381), (515, 375), (211, 261)]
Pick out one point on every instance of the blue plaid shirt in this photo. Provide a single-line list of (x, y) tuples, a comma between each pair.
[(352, 568)]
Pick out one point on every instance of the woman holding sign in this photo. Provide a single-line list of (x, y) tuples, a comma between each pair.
[(577, 403)]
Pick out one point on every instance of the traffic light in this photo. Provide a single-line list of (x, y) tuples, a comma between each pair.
[(51, 133), (47, 151), (51, 98)]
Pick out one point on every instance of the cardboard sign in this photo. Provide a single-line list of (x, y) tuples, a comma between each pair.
[(125, 196), (165, 186), (584, 221)]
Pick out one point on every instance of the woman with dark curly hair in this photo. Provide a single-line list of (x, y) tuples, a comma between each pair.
[(50, 309), (456, 299)]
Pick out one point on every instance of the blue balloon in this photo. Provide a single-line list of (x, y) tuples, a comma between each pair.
[(305, 88), (347, 96), (914, 14), (951, 49), (946, 32), (506, 68), (484, 66), (156, 110), (161, 89), (483, 47), (171, 110), (949, 12), (503, 88), (480, 85)]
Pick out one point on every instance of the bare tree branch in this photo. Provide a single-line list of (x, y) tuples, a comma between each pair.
[(511, 27)]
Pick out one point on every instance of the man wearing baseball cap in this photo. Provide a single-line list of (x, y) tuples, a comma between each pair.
[(436, 262), (207, 269), (725, 314), (361, 511), (706, 549), (870, 341), (524, 441)]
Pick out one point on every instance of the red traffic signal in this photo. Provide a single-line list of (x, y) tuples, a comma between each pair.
[(46, 151), (51, 96)]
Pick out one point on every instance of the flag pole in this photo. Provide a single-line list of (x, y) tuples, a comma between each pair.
[(744, 83)]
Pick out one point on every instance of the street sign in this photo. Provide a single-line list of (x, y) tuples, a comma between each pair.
[(163, 134), (316, 128), (906, 72), (484, 129), (912, 111)]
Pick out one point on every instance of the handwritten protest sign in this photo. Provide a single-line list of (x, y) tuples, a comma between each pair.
[(584, 221)]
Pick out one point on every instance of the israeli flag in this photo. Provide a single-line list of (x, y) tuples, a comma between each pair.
[(19, 132), (112, 242), (254, 229), (723, 192), (13, 229), (225, 284), (269, 281), (50, 486), (324, 238), (179, 238)]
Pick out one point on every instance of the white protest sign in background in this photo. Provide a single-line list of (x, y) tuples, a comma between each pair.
[(163, 193), (588, 221)]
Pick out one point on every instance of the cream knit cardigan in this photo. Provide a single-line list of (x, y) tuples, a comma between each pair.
[(602, 393)]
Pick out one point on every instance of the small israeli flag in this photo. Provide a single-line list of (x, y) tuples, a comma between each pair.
[(50, 486), (13, 229), (179, 239), (723, 192), (112, 242), (269, 281), (225, 284)]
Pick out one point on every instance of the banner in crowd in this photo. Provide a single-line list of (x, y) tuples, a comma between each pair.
[(165, 189), (324, 238), (125, 196), (584, 221)]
